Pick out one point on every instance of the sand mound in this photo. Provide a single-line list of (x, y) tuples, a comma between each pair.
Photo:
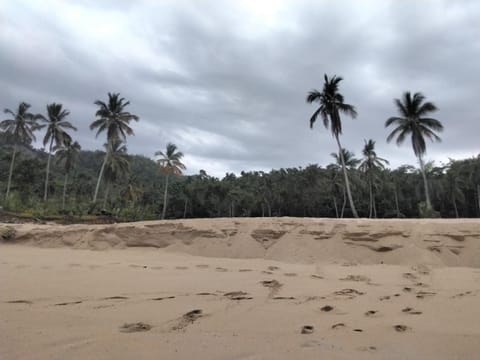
[(302, 240)]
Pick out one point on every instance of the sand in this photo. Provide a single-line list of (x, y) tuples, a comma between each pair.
[(270, 288)]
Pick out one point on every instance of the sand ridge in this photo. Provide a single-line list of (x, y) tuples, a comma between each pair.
[(303, 240)]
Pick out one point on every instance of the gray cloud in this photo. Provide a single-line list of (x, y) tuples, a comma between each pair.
[(227, 82)]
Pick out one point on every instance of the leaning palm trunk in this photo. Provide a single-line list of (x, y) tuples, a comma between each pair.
[(45, 193), (165, 194), (107, 190), (11, 171), (64, 190), (347, 183), (425, 183), (102, 169)]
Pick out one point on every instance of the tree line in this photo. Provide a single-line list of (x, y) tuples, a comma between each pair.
[(135, 187)]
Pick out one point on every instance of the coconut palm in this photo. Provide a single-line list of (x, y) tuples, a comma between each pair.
[(331, 105), (68, 155), (117, 165), (21, 127), (56, 135), (112, 118), (413, 122), (371, 165), (171, 163)]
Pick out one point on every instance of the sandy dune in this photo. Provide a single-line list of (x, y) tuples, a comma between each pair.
[(278, 288)]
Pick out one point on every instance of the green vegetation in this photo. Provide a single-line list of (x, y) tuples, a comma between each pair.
[(133, 187)]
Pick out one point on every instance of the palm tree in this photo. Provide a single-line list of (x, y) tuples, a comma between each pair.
[(113, 119), (370, 165), (21, 128), (117, 165), (56, 134), (331, 105), (350, 163), (171, 163), (413, 122), (68, 155)]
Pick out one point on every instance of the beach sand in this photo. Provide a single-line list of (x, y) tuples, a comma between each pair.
[(265, 288)]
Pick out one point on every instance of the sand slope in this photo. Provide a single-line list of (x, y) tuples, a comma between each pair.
[(438, 242), (242, 289)]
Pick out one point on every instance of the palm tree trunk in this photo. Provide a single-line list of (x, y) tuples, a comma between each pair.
[(396, 200), (425, 183), (11, 171), (107, 190), (45, 193), (344, 202), (455, 207), (102, 169), (64, 191), (371, 198), (165, 194), (335, 206), (185, 209), (374, 206), (347, 183)]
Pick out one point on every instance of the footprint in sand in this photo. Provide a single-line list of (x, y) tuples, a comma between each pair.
[(273, 268), (28, 302), (68, 303), (137, 266), (411, 311), (424, 294), (315, 276), (135, 327), (356, 278), (401, 328), (307, 329), (163, 298), (245, 270), (205, 294), (284, 298), (327, 308), (202, 266), (181, 267), (290, 274), (188, 319), (115, 298), (237, 295), (221, 269), (410, 276), (358, 330), (273, 285), (338, 326), (371, 313), (348, 293)]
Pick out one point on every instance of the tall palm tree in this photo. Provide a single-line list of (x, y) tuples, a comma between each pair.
[(56, 134), (331, 105), (413, 122), (21, 127), (370, 165), (117, 165), (68, 155), (171, 163), (350, 162), (114, 119)]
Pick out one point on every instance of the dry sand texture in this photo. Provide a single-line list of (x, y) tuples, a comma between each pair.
[(279, 288)]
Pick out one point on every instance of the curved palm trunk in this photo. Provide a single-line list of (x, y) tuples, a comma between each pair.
[(64, 191), (45, 193), (455, 207), (107, 190), (425, 183), (102, 169), (335, 206), (165, 194), (347, 183), (11, 171)]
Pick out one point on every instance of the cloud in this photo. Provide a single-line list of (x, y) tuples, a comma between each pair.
[(226, 81)]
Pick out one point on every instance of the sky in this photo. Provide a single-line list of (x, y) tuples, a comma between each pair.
[(226, 81)]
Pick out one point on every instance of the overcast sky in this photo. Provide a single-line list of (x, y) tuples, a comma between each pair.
[(226, 80)]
